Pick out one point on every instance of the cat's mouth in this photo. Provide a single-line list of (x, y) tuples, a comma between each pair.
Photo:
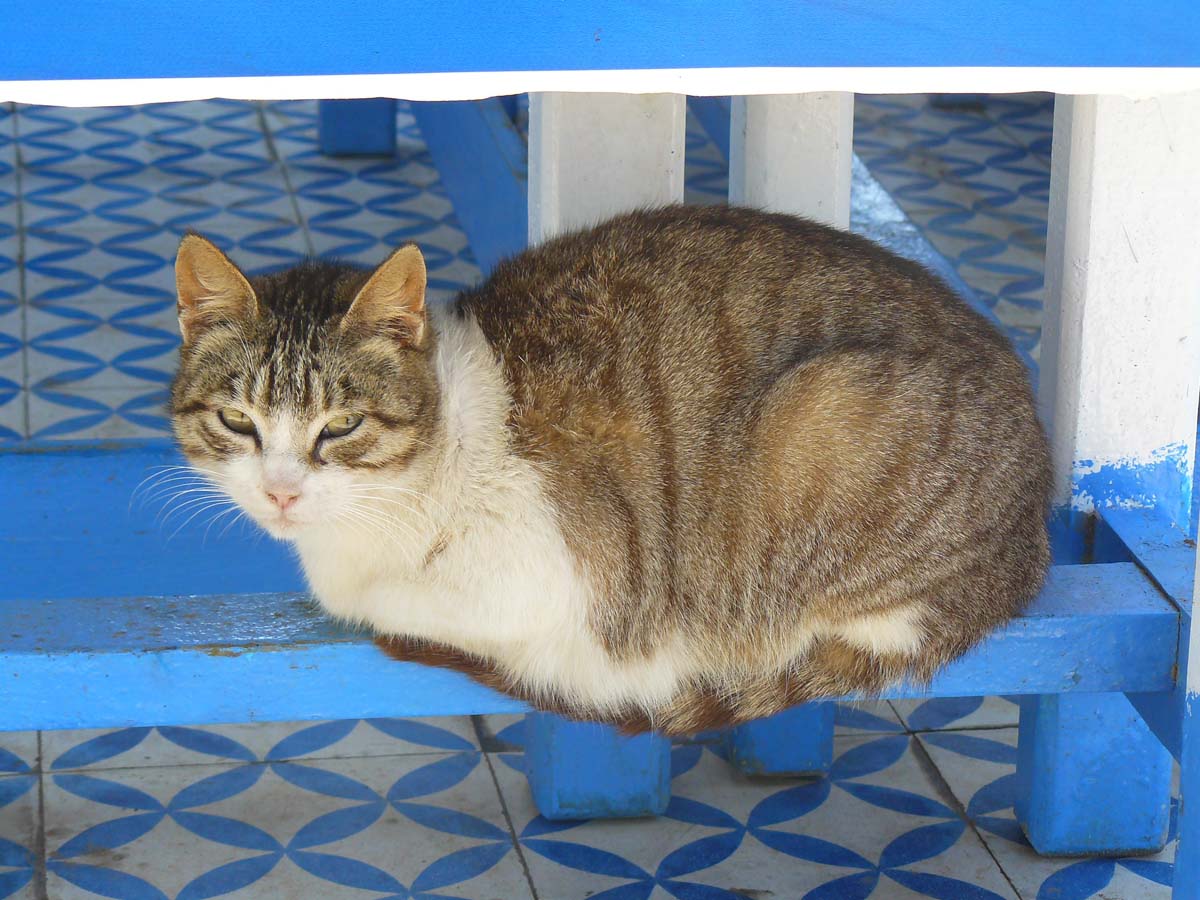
[(282, 526)]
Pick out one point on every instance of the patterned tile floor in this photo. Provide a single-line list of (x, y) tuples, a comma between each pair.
[(919, 800)]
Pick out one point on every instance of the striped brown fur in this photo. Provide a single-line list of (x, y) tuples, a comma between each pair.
[(749, 421)]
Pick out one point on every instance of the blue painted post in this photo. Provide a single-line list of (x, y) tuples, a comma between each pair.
[(1087, 781), (798, 741), (1120, 383), (580, 770), (357, 127)]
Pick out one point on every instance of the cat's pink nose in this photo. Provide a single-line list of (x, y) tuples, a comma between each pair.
[(283, 499)]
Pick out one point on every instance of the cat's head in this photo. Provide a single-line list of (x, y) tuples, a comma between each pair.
[(308, 396)]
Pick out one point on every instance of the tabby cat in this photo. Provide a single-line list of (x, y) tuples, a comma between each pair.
[(681, 470)]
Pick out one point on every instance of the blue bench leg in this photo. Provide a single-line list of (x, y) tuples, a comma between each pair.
[(579, 770), (357, 127), (798, 741), (1091, 777)]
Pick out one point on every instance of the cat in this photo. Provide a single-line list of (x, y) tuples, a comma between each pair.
[(678, 471)]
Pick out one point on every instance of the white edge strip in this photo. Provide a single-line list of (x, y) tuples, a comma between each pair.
[(1132, 82)]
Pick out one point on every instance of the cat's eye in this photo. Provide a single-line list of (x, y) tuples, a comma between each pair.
[(236, 420), (340, 426)]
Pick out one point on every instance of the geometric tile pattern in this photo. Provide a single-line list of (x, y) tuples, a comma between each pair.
[(975, 178), (913, 806), (12, 352), (93, 203)]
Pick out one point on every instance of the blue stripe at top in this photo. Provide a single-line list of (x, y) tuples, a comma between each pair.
[(155, 39)]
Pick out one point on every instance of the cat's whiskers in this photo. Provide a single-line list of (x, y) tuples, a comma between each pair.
[(413, 511), (356, 525), (213, 521), (423, 496), (238, 517), (388, 523), (163, 476), (175, 487), (375, 530), (391, 524), (181, 501), (224, 501)]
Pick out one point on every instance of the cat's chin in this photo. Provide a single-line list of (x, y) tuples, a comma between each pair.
[(283, 529)]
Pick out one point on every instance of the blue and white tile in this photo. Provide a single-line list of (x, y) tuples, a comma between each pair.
[(98, 269), (101, 348), (19, 752), (79, 203), (877, 826), (361, 209), (124, 748), (19, 814), (957, 713), (19, 829), (12, 369), (366, 233), (71, 276), (980, 768), (180, 137), (867, 717), (149, 204), (706, 172), (12, 400), (392, 826), (976, 181), (1028, 119), (105, 414)]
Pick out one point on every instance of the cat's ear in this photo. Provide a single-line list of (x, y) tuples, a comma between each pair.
[(210, 288), (393, 299)]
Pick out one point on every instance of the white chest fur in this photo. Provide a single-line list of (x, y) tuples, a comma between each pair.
[(485, 567)]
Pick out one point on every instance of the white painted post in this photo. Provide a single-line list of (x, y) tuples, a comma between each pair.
[(594, 155), (792, 153), (1120, 383), (1120, 354)]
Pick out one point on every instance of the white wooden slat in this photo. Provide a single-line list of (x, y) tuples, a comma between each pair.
[(792, 153), (594, 155), (1135, 82), (1121, 341)]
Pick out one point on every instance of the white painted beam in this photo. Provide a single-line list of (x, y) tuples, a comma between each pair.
[(594, 155), (792, 153), (1121, 341), (1142, 81)]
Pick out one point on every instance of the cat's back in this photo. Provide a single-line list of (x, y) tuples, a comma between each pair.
[(709, 303)]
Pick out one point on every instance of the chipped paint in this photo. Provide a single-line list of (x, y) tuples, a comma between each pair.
[(1162, 481)]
